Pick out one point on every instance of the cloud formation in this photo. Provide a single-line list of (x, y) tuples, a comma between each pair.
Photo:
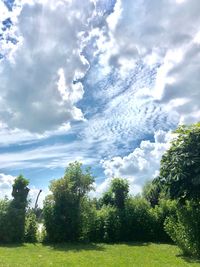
[(40, 84), (154, 33), (139, 166), (6, 182)]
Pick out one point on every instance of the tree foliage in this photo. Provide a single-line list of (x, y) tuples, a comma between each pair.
[(63, 210), (30, 235), (180, 165), (184, 228)]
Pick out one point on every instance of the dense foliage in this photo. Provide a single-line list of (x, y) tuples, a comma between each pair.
[(184, 228), (180, 165), (30, 235), (13, 212), (180, 174), (64, 209)]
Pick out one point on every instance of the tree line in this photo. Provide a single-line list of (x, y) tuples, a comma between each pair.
[(168, 209)]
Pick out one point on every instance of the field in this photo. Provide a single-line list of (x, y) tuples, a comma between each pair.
[(138, 255)]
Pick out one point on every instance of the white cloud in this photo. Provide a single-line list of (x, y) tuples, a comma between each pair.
[(6, 182), (128, 115), (18, 136), (139, 166), (47, 60), (158, 32)]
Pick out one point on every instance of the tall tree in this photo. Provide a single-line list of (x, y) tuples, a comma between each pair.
[(63, 210), (180, 165), (17, 209)]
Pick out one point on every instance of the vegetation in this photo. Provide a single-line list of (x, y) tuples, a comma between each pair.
[(64, 209), (13, 212), (167, 210), (180, 165), (180, 175), (98, 255)]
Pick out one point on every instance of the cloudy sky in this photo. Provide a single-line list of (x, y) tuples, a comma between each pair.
[(99, 81)]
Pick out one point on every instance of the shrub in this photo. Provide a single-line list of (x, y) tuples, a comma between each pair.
[(4, 226), (30, 228), (161, 212), (184, 228), (138, 220), (108, 224)]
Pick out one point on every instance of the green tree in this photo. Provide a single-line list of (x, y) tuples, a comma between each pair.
[(180, 172), (63, 211), (120, 189), (154, 190), (116, 194), (180, 165), (17, 209)]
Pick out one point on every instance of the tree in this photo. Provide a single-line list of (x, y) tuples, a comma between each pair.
[(107, 199), (153, 191), (63, 211), (20, 192), (180, 165), (116, 194), (180, 171), (120, 189), (17, 209)]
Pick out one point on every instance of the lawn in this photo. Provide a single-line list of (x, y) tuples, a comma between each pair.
[(155, 255)]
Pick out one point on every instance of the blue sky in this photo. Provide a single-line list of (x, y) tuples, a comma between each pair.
[(102, 82)]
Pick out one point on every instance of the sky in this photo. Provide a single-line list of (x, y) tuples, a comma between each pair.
[(104, 82)]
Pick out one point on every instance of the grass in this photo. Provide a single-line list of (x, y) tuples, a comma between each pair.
[(100, 255)]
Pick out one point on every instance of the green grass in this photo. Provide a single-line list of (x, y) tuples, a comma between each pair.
[(138, 255)]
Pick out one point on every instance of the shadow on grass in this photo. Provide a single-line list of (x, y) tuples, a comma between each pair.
[(188, 259), (77, 247), (133, 244), (13, 245)]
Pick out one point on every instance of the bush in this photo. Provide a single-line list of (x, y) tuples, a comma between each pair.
[(184, 228), (4, 226), (161, 212), (138, 220), (87, 220), (30, 228), (108, 224)]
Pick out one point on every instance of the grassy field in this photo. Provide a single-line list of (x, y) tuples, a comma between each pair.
[(150, 255)]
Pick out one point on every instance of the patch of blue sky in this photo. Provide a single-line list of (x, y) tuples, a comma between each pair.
[(105, 6), (7, 23), (9, 4), (31, 144), (38, 177)]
